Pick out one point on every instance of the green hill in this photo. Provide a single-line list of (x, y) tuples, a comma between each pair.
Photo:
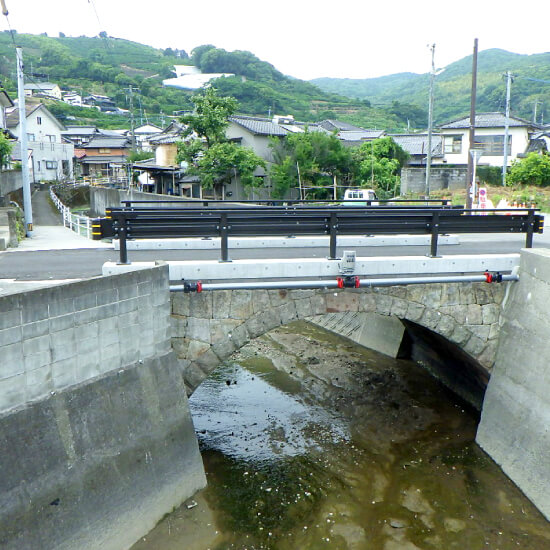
[(109, 66), (453, 85)]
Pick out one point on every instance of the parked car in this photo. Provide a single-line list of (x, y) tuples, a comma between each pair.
[(354, 197)]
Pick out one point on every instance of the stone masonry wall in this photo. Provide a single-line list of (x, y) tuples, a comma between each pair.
[(208, 327)]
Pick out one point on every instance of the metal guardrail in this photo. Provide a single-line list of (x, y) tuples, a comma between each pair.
[(227, 203), (79, 224), (149, 223)]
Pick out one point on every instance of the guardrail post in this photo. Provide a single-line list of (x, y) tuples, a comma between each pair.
[(333, 229), (435, 234), (530, 228), (224, 231), (122, 234)]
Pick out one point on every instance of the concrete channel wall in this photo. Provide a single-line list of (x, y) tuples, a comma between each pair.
[(105, 197), (515, 421), (96, 434)]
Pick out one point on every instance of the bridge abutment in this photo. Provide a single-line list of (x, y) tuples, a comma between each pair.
[(514, 427)]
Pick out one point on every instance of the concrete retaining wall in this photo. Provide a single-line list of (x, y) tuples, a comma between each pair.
[(8, 228), (413, 180), (104, 197), (10, 181), (514, 427), (96, 434)]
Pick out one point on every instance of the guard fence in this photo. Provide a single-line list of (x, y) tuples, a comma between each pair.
[(140, 222)]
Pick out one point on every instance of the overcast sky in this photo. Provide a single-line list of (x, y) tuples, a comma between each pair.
[(304, 38)]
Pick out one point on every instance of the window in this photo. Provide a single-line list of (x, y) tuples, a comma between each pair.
[(453, 144), (105, 151), (50, 138), (493, 145), (38, 120), (51, 164), (31, 137)]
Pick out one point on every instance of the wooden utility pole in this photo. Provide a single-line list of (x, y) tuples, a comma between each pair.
[(471, 140)]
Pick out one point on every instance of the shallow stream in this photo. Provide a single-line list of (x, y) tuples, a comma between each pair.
[(312, 442)]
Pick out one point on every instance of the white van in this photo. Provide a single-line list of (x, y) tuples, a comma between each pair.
[(356, 195)]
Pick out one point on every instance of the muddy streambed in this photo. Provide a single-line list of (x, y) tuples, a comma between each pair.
[(312, 442)]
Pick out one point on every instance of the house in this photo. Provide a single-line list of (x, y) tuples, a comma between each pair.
[(72, 98), (416, 145), (105, 156), (256, 133), (50, 154), (143, 133), (47, 89), (80, 135), (100, 102), (489, 138), (163, 174), (5, 103)]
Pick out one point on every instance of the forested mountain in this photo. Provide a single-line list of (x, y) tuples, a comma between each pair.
[(453, 85), (110, 66)]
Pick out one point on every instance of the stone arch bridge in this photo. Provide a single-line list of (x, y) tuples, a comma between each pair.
[(208, 327)]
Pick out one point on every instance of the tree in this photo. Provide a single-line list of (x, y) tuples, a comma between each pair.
[(5, 149), (534, 169), (309, 160), (223, 161), (208, 153), (209, 118), (378, 164)]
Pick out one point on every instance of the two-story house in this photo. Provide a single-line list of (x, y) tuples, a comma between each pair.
[(105, 156), (489, 138), (50, 155)]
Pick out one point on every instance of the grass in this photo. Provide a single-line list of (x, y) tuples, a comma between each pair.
[(520, 194)]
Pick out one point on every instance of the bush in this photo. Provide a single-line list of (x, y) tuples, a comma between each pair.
[(491, 175), (534, 169)]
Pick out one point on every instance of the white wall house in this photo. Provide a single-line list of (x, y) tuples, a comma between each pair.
[(489, 137), (51, 157), (43, 88)]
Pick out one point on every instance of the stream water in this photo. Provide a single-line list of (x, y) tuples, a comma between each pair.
[(312, 442)]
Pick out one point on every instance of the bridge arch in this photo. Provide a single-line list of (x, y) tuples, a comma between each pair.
[(208, 327)]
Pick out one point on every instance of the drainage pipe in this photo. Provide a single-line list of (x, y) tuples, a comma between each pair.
[(343, 282)]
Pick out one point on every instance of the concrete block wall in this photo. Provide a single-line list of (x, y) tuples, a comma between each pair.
[(96, 434), (54, 338), (413, 179), (515, 420)]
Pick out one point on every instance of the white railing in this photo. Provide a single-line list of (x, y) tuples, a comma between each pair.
[(82, 225)]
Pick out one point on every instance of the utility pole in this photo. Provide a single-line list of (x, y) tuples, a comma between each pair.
[(23, 140), (430, 124), (471, 136), (130, 90), (506, 127), (535, 108)]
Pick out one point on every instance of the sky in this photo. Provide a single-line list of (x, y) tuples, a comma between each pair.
[(305, 39)]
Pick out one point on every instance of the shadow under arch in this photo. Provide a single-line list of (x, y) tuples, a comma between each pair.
[(445, 360)]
